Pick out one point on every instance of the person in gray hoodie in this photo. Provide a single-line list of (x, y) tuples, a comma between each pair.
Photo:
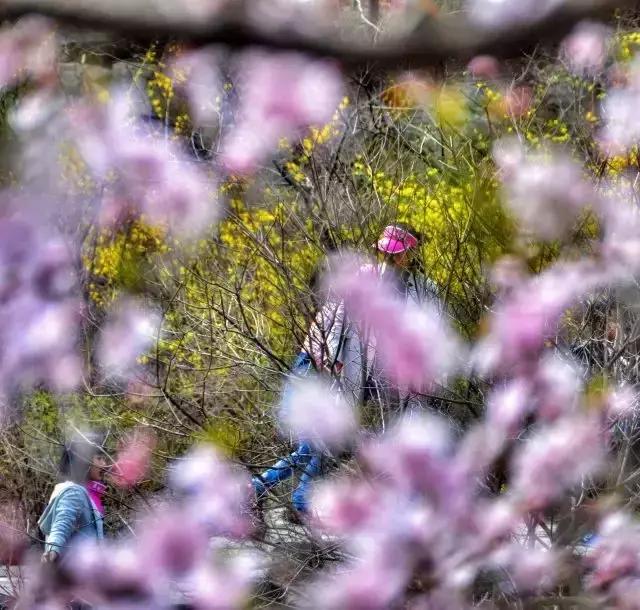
[(72, 514)]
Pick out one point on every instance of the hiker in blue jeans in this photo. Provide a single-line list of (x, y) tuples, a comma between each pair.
[(305, 460)]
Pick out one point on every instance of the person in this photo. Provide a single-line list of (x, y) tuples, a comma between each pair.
[(334, 345), (363, 376), (75, 509), (306, 459)]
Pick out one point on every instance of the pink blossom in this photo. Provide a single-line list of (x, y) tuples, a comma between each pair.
[(217, 495), (517, 100), (108, 571), (413, 342), (39, 309), (281, 96), (344, 506), (507, 406), (173, 543), (621, 242), (530, 314), (146, 167), (556, 459), (558, 387), (134, 458), (319, 414), (128, 334), (196, 72), (621, 129), (39, 338), (585, 49), (546, 192), (27, 49), (225, 583), (532, 569), (374, 581), (417, 455), (484, 66), (497, 520), (616, 553), (621, 402)]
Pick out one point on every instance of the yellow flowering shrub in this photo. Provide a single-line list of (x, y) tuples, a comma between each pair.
[(114, 258)]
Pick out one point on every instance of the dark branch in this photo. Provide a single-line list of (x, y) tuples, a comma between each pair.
[(436, 40)]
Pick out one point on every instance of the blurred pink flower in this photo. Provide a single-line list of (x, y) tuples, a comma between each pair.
[(129, 332), (558, 388), (112, 569), (39, 341), (27, 49), (223, 583), (373, 581), (114, 143), (621, 402), (507, 406), (546, 192), (172, 542), (484, 66), (344, 506), (532, 569), (517, 100), (281, 95), (621, 242), (197, 73), (217, 495), (621, 130), (616, 552), (39, 309), (133, 460), (529, 315), (585, 49), (414, 344), (497, 520), (319, 414), (556, 459), (417, 455)]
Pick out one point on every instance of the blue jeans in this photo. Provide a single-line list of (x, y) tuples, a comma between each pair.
[(305, 458)]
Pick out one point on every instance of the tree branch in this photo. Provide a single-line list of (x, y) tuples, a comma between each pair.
[(236, 26)]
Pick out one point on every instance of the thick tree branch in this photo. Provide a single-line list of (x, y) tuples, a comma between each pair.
[(239, 26)]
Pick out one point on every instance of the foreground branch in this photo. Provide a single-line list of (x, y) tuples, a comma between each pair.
[(239, 26)]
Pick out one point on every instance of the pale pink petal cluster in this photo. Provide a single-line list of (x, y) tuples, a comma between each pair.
[(133, 460), (320, 414), (197, 74), (216, 494), (615, 559), (130, 331), (556, 459), (405, 333), (545, 191), (585, 49), (28, 50), (281, 96), (39, 309), (143, 172), (529, 315), (621, 129)]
